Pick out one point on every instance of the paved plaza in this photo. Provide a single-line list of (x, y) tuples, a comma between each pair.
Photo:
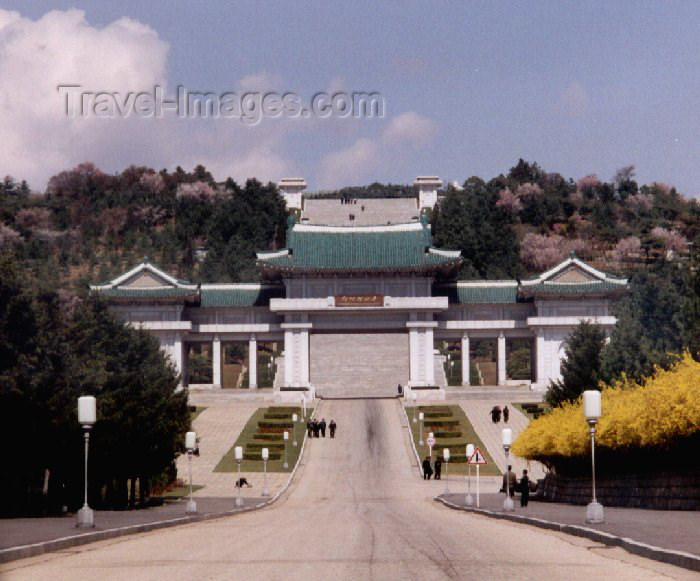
[(356, 509)]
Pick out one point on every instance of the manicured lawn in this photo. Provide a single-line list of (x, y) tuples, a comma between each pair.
[(264, 429), (452, 430)]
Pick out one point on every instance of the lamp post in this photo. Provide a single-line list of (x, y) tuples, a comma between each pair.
[(507, 439), (414, 397), (239, 458), (592, 411), (468, 500), (446, 456), (294, 428), (431, 441), (87, 416), (303, 408), (286, 439), (420, 435), (190, 445), (265, 456)]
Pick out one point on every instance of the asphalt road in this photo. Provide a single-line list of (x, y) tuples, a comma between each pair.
[(357, 510)]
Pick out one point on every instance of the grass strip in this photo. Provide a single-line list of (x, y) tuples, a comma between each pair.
[(467, 434), (255, 436)]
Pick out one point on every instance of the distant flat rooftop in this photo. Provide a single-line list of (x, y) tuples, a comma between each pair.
[(377, 211)]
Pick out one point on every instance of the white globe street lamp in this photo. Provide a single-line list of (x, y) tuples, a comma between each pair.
[(421, 416), (431, 443), (507, 440), (414, 397), (294, 427), (286, 439), (87, 416), (468, 500), (592, 411), (265, 455), (239, 458), (446, 456), (190, 445)]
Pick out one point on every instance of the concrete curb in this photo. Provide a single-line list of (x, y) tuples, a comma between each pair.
[(669, 556), (410, 437), (35, 549)]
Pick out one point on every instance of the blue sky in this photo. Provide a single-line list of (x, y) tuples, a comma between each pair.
[(579, 87)]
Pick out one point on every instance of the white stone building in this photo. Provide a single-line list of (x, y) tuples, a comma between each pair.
[(362, 309)]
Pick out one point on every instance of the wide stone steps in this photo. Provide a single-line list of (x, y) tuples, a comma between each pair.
[(358, 364), (376, 212)]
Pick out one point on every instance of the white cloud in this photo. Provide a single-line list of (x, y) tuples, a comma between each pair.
[(573, 100), (397, 143)]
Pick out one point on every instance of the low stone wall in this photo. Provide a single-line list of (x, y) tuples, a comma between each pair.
[(665, 491)]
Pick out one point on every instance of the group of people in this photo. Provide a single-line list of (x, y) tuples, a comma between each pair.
[(347, 200), (511, 485), (430, 468), (314, 428), (496, 414)]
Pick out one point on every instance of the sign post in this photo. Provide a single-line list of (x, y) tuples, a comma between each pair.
[(477, 458)]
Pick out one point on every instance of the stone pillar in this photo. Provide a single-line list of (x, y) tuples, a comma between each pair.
[(501, 359), (413, 357), (429, 348), (216, 362), (540, 365), (296, 355), (253, 362), (465, 359), (178, 358)]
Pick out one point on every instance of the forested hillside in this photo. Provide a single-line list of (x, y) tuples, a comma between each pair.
[(88, 226)]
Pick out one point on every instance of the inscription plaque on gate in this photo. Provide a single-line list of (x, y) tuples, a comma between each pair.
[(373, 300)]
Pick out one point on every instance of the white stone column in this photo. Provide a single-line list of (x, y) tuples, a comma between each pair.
[(296, 355), (413, 356), (501, 359), (253, 362), (178, 358), (465, 359), (216, 362), (540, 362), (429, 348), (289, 359)]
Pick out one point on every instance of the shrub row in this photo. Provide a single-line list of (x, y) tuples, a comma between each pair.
[(441, 423), (278, 416), (272, 424), (258, 456), (438, 414), (434, 408), (268, 437), (447, 434), (284, 409), (256, 446)]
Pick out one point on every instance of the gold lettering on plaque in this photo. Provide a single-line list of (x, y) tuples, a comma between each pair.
[(374, 300)]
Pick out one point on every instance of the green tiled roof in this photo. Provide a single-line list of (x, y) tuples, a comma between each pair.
[(581, 288), (478, 295), (146, 293), (240, 297), (358, 250)]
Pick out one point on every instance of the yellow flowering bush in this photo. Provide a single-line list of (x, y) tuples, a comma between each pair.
[(654, 414)]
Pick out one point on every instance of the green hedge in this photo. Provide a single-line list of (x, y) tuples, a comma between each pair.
[(272, 424), (278, 416), (256, 446), (258, 456), (268, 437), (441, 423), (284, 409), (447, 434), (437, 414), (434, 408)]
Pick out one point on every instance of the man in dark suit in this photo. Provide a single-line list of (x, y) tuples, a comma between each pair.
[(322, 425), (427, 468)]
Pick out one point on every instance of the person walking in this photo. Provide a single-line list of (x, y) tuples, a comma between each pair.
[(317, 428), (332, 427), (506, 414), (495, 414), (438, 468), (322, 425), (524, 489), (310, 428), (427, 468), (511, 479)]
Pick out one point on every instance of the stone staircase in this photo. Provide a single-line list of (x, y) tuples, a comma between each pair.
[(376, 212), (358, 364)]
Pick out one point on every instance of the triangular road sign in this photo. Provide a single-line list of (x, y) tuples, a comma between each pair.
[(477, 458)]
